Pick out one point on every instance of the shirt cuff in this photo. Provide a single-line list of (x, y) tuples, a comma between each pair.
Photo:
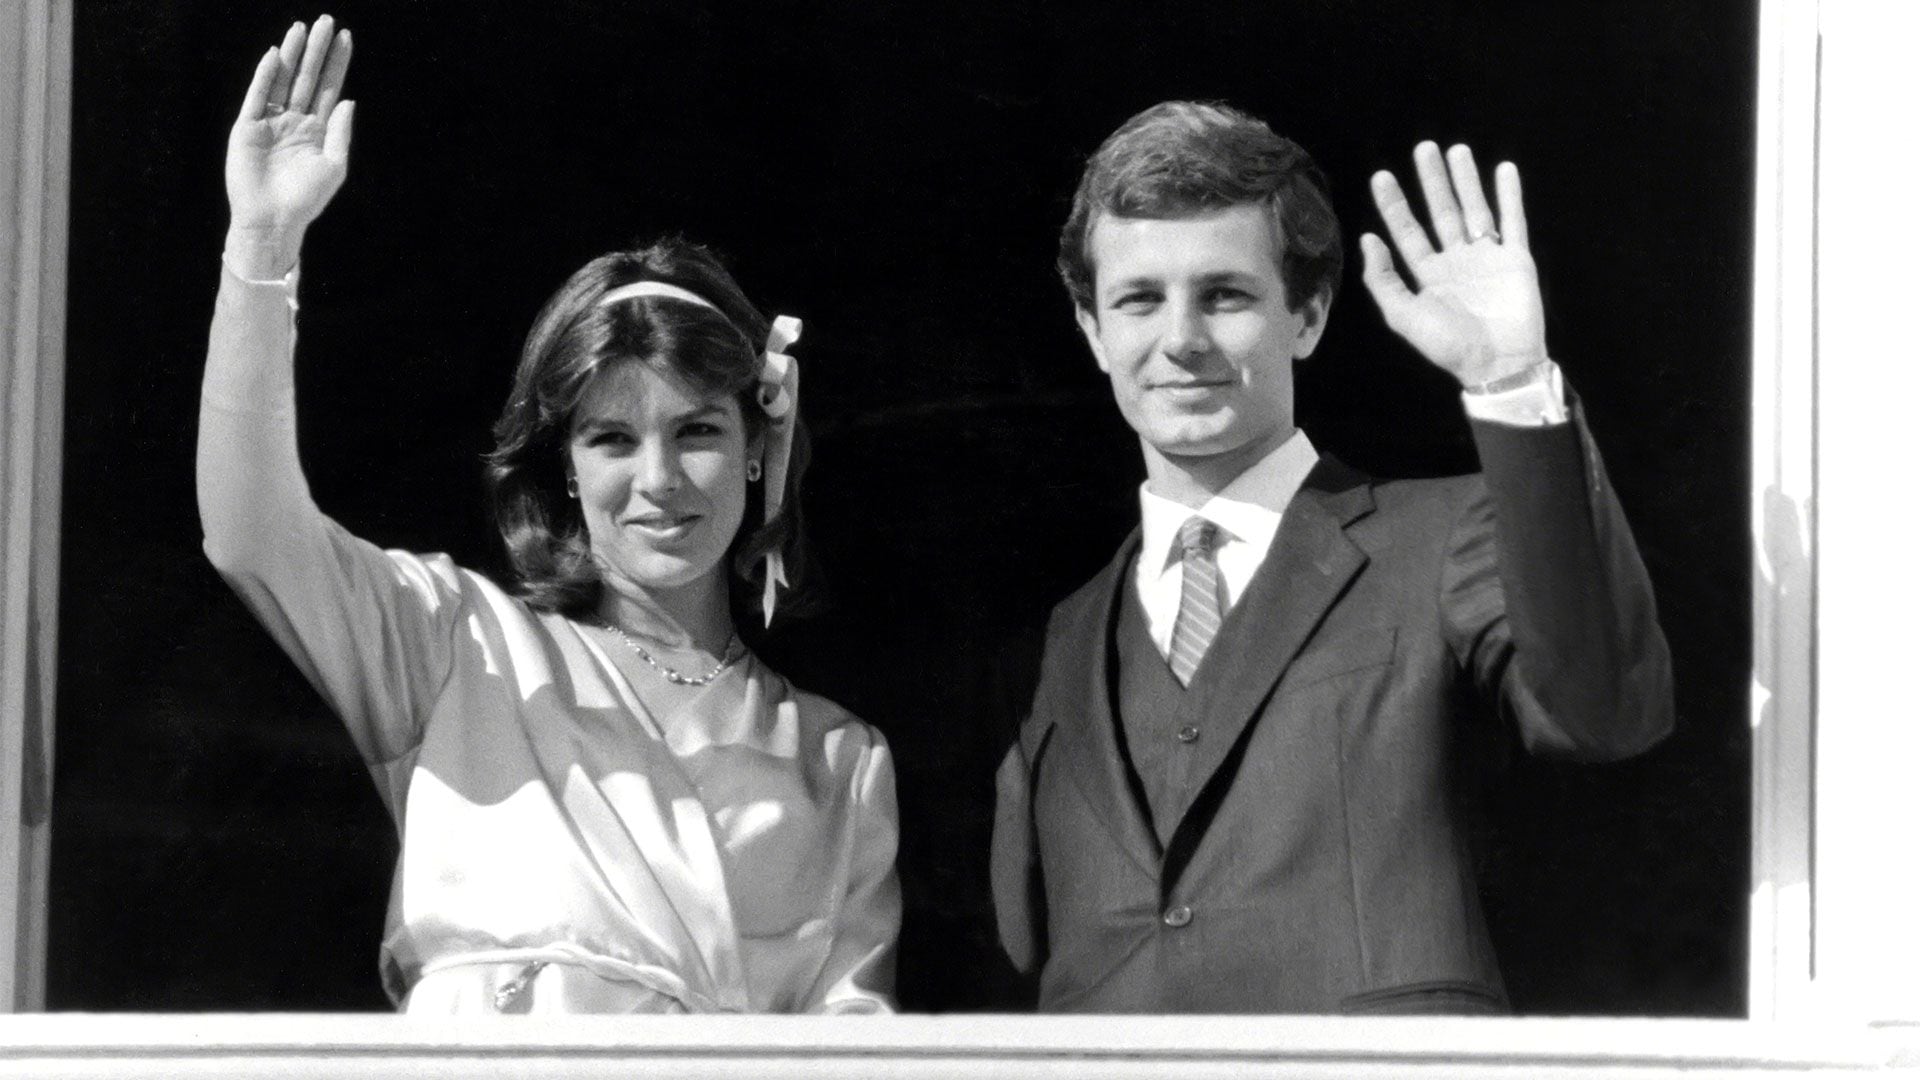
[(290, 284), (1538, 402)]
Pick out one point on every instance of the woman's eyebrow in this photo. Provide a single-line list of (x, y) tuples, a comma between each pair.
[(595, 423), (701, 412)]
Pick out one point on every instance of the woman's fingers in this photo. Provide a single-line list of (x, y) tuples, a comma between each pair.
[(1476, 215), (312, 61), (333, 77), (286, 63), (339, 134), (1438, 189), (1513, 215), (254, 105)]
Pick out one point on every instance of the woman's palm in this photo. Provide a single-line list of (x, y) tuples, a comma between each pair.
[(279, 172), (287, 153)]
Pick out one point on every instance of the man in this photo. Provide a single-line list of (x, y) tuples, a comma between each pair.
[(1240, 787)]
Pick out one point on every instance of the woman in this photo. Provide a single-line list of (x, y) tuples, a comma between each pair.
[(606, 803)]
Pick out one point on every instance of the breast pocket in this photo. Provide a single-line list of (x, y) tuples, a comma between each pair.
[(1343, 654)]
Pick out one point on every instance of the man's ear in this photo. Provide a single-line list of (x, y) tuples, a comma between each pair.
[(1313, 316), (1090, 327)]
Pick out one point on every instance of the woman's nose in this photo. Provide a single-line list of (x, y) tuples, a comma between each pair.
[(657, 472)]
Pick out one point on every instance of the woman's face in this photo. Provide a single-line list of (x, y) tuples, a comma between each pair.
[(662, 474)]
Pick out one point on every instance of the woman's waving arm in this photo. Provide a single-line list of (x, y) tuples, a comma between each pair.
[(370, 629), (287, 153)]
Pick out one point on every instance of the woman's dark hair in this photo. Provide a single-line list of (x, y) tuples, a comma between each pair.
[(575, 338)]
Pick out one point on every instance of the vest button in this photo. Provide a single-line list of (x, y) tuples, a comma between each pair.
[(1188, 733), (1177, 917)]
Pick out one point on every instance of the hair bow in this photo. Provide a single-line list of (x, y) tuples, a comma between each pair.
[(779, 390)]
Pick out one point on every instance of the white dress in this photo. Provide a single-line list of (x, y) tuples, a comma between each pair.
[(562, 849)]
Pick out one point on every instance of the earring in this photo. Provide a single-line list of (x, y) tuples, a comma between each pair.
[(573, 487), (753, 472)]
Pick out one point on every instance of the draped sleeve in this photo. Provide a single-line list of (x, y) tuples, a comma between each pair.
[(372, 630), (858, 974)]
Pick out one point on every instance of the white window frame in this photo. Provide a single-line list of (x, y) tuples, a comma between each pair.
[(1835, 971)]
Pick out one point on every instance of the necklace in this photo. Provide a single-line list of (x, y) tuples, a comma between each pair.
[(727, 659)]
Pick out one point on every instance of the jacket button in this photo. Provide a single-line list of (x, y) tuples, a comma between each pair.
[(1177, 917), (1188, 733)]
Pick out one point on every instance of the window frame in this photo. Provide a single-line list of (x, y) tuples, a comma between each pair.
[(1834, 1009)]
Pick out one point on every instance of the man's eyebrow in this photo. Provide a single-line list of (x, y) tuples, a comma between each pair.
[(1138, 282), (1211, 277), (1228, 275)]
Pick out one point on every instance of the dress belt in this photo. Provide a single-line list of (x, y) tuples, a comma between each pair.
[(527, 966)]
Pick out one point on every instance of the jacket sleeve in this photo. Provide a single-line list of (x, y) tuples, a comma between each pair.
[(1547, 603)]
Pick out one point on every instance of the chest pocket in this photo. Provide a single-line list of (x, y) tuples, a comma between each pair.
[(1349, 652)]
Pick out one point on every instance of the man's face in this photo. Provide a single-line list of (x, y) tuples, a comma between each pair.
[(1190, 321)]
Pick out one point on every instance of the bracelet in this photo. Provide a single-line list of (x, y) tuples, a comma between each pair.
[(1525, 377), (290, 283)]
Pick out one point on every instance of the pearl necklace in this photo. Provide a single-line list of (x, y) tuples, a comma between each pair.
[(727, 660)]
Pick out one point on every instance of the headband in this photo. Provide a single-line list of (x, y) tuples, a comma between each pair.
[(779, 389)]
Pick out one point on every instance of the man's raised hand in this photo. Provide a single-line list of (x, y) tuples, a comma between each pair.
[(1474, 306)]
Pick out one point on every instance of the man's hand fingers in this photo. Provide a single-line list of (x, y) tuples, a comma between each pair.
[(1438, 190), (1405, 229), (1513, 214), (333, 77), (311, 64), (286, 62), (1474, 211), (1384, 282)]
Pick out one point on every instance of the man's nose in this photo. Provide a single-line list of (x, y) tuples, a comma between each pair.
[(1186, 335)]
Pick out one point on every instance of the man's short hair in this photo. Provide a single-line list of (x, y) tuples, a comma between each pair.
[(1181, 158)]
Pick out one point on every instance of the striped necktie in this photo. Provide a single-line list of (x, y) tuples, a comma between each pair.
[(1199, 617)]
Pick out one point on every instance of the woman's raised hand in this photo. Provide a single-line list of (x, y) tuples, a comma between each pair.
[(287, 154)]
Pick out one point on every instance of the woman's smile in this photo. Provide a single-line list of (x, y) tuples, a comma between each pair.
[(663, 527)]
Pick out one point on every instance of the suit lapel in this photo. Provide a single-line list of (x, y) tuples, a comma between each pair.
[(1308, 567), (1092, 753)]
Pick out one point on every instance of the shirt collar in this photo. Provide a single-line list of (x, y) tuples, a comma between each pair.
[(1247, 510)]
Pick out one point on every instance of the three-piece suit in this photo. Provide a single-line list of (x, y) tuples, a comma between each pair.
[(1315, 855)]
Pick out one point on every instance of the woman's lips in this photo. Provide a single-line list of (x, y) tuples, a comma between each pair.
[(664, 528)]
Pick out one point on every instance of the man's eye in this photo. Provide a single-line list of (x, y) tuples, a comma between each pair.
[(1135, 301), (1229, 299)]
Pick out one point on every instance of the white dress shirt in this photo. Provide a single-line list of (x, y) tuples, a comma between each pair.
[(1248, 511)]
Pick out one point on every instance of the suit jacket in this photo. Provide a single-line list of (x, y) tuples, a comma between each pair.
[(1320, 862)]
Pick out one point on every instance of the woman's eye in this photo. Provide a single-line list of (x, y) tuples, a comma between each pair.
[(699, 429), (613, 439)]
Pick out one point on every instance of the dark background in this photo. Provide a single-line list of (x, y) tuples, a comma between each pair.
[(896, 175)]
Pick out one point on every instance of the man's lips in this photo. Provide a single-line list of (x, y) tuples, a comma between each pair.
[(1190, 385)]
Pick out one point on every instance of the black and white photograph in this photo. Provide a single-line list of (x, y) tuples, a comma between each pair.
[(1003, 509)]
